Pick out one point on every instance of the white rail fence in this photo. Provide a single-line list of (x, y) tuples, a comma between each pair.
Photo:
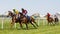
[(38, 21)]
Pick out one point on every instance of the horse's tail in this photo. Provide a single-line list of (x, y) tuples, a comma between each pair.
[(32, 19)]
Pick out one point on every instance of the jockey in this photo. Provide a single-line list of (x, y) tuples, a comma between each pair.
[(55, 16), (16, 12), (24, 12), (48, 14)]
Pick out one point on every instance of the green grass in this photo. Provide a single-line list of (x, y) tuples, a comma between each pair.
[(42, 29)]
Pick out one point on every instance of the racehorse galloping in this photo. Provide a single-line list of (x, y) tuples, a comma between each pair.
[(21, 20), (14, 19), (26, 20), (56, 20), (50, 20)]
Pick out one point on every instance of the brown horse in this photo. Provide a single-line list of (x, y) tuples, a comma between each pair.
[(25, 20), (21, 20), (56, 20), (14, 19), (50, 20)]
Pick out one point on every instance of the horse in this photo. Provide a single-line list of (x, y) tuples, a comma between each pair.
[(21, 20), (50, 20), (56, 20), (14, 19), (31, 20)]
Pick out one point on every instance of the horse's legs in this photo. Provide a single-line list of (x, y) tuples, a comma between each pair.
[(12, 23), (48, 23), (21, 25), (36, 23), (26, 25), (33, 24), (33, 21)]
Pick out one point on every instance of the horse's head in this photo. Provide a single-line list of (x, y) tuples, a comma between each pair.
[(10, 13)]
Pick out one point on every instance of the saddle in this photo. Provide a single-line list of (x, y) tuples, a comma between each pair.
[(28, 17)]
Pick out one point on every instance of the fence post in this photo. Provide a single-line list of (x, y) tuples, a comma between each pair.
[(15, 25), (38, 21), (2, 22)]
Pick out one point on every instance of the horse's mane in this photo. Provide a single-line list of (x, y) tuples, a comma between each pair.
[(12, 14), (20, 13)]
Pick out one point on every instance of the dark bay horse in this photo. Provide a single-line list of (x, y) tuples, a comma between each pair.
[(52, 20), (14, 19), (21, 20), (25, 20), (56, 20)]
